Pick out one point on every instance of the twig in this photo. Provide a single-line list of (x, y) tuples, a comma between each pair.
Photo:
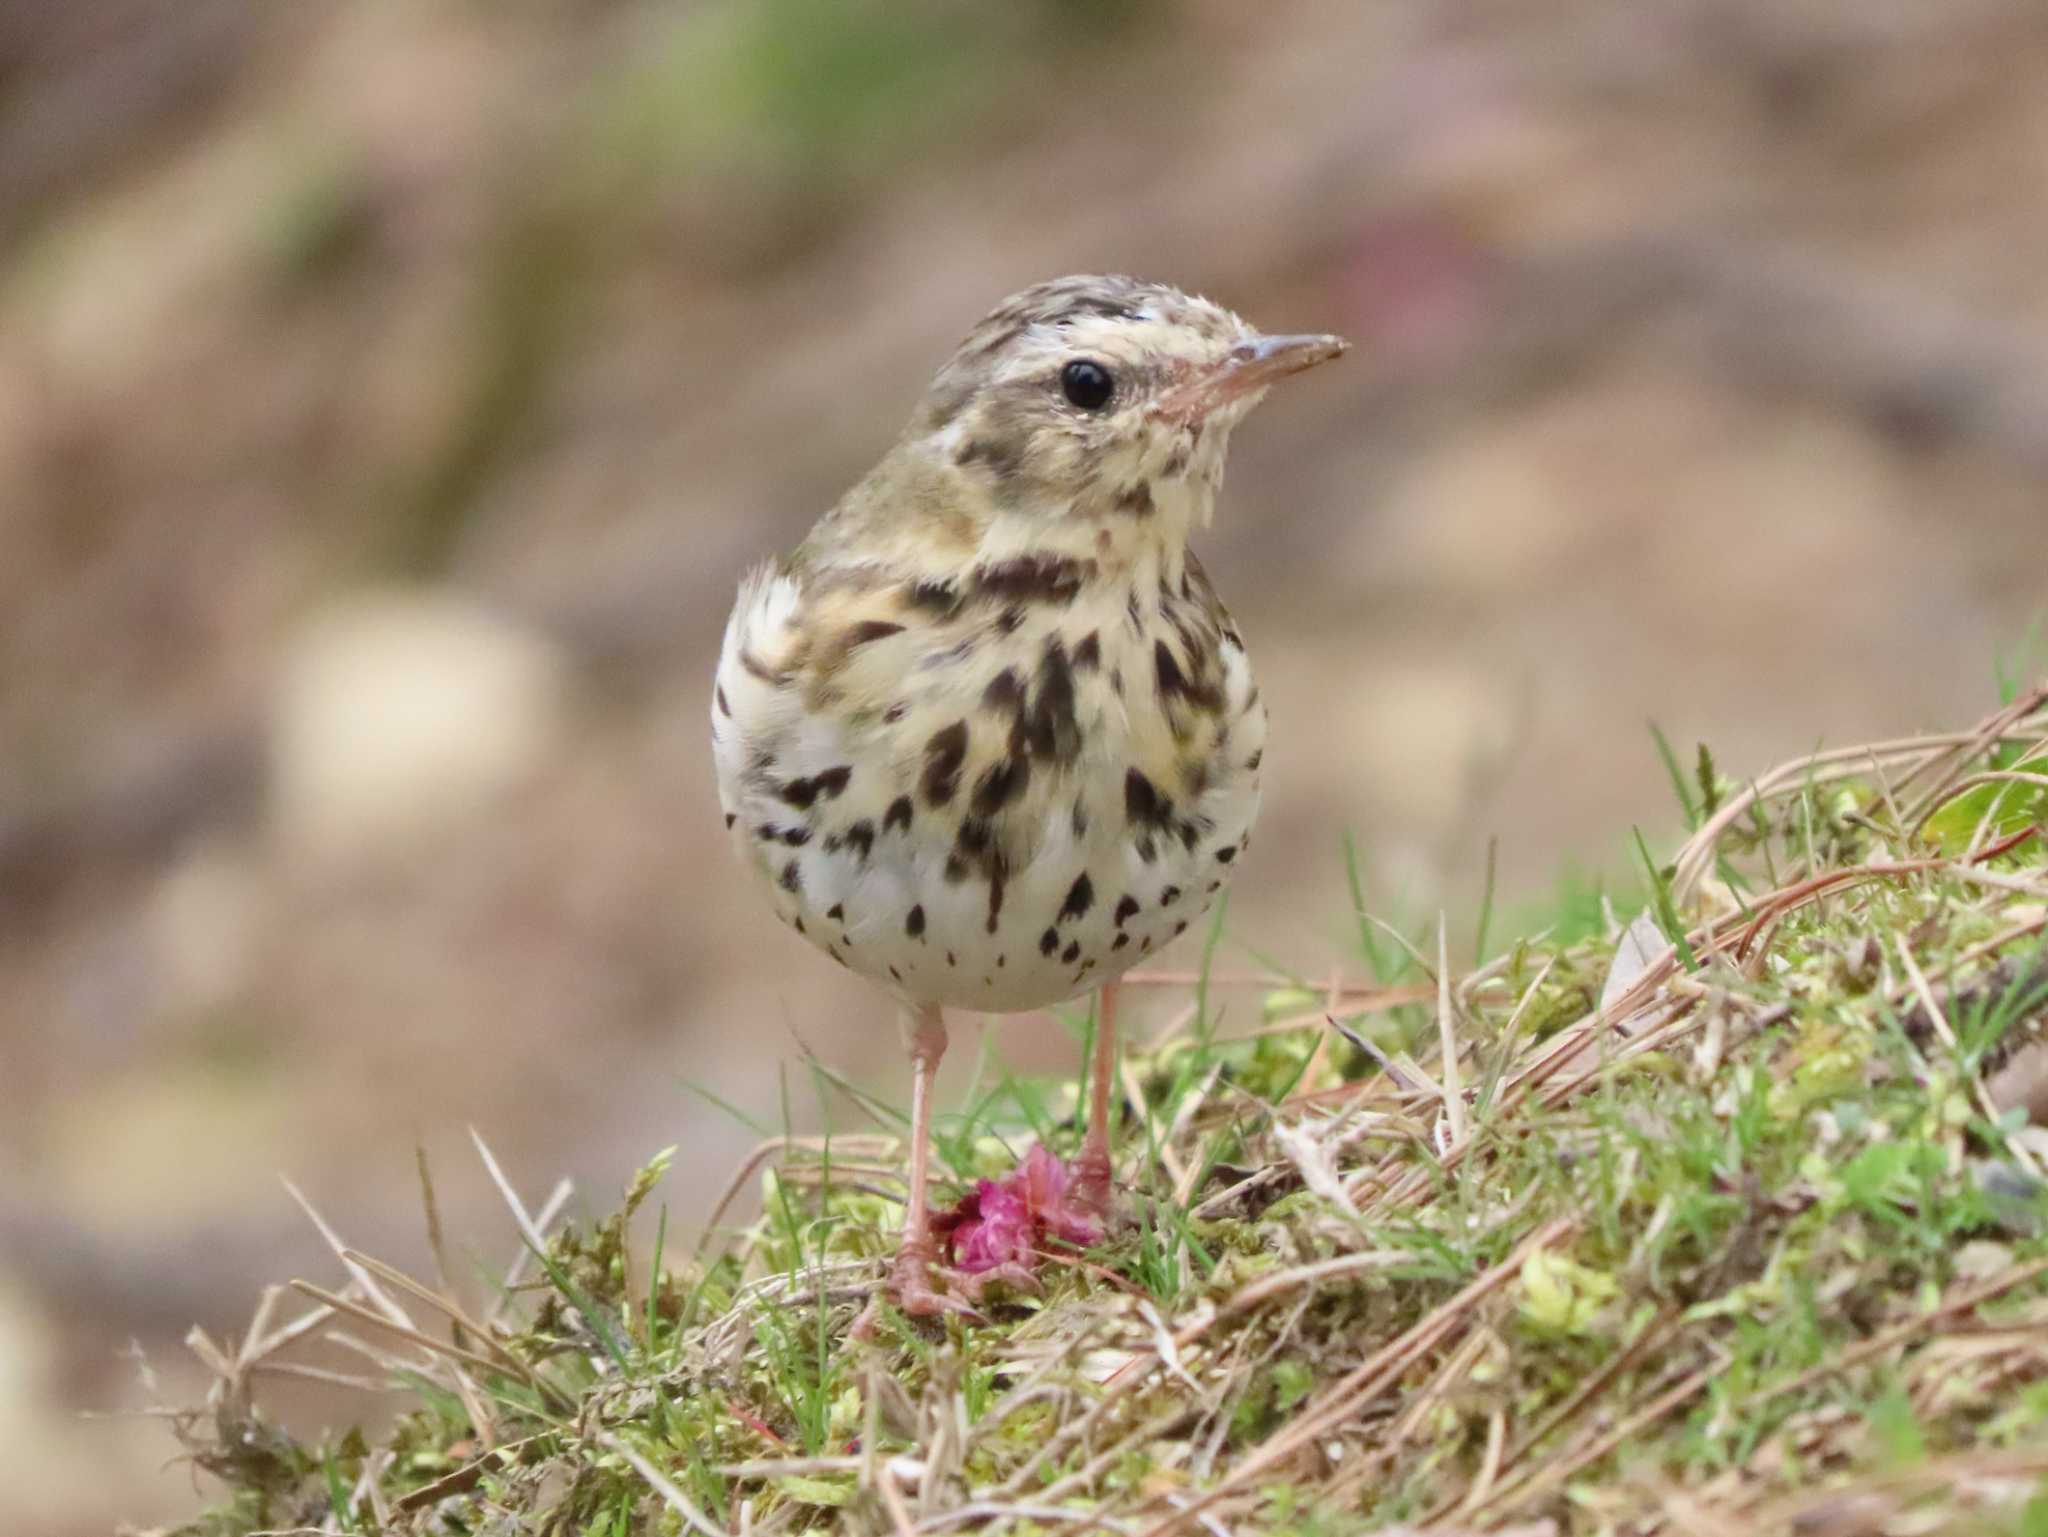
[(439, 1347)]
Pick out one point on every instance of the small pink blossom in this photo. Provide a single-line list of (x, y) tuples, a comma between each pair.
[(1003, 1222)]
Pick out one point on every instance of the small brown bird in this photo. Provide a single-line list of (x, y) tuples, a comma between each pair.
[(988, 735)]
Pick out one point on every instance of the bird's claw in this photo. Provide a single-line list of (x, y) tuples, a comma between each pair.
[(920, 1299), (909, 1286)]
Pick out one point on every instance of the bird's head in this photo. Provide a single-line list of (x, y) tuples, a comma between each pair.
[(1093, 406)]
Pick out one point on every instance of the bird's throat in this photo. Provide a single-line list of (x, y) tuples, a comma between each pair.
[(1123, 538)]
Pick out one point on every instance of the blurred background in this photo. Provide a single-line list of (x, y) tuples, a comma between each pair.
[(391, 394)]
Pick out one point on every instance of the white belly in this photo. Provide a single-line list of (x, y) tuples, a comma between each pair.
[(891, 914), (834, 809)]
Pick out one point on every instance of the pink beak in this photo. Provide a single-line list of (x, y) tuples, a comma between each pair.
[(1250, 366)]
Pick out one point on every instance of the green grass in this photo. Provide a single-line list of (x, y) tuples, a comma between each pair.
[(1766, 1252)]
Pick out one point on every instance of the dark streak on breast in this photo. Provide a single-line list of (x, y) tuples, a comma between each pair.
[(1080, 897), (871, 629), (1176, 684), (995, 895), (1050, 726), (1034, 578), (974, 838), (1001, 783), (1005, 692), (943, 755), (829, 783), (931, 597), (1143, 804)]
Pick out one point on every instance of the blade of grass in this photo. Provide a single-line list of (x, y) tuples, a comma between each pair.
[(654, 1276), (758, 1128), (1486, 900), (1663, 907), (1679, 788)]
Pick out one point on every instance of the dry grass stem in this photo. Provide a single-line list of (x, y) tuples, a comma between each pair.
[(1725, 1218)]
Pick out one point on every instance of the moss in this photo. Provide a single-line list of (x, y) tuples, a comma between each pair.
[(1765, 1246)]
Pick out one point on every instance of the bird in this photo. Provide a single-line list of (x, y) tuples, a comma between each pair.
[(988, 737)]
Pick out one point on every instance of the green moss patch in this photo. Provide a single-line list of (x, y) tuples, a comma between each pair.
[(1725, 1218)]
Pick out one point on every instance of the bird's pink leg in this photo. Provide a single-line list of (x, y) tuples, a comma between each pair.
[(1091, 1168), (910, 1278)]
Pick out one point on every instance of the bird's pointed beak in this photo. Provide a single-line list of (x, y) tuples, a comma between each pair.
[(1249, 367)]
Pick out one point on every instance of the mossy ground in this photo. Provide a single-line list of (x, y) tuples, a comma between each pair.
[(1728, 1219)]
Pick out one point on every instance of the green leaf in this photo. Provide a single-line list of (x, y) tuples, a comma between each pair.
[(2009, 807)]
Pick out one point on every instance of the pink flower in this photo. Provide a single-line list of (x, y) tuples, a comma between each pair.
[(1003, 1222)]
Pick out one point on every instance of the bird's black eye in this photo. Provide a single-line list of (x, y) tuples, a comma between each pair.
[(1087, 384)]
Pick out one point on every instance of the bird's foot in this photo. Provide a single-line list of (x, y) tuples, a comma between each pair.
[(909, 1286)]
